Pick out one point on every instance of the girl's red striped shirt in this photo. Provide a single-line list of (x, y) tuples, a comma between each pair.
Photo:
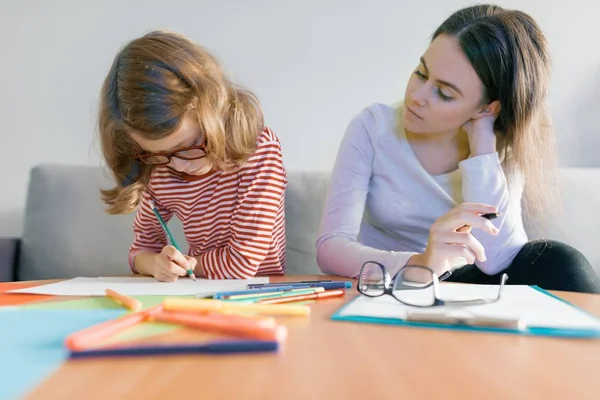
[(234, 222)]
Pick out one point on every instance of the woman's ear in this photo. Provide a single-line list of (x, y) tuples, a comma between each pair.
[(488, 110)]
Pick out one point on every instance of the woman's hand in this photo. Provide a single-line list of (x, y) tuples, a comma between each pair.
[(450, 237), (481, 136)]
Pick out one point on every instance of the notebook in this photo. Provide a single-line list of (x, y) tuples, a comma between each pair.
[(543, 313)]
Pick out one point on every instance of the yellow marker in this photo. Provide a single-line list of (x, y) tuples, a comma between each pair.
[(276, 294), (224, 306)]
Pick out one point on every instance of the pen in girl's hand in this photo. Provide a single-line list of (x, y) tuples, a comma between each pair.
[(190, 272)]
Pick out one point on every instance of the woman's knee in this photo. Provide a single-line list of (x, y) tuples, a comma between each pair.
[(557, 252), (563, 265)]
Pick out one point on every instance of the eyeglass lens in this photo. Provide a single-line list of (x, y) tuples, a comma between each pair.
[(414, 286)]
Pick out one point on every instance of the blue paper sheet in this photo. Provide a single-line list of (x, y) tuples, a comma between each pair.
[(32, 344)]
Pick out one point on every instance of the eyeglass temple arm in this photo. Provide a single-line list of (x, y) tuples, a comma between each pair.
[(471, 302), (481, 300)]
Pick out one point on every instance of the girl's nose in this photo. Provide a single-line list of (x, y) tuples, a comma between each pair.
[(177, 164)]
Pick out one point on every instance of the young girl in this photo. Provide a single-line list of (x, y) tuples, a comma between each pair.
[(177, 134), (411, 184)]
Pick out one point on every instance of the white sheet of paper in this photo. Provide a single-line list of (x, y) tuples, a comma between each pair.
[(139, 286), (535, 307)]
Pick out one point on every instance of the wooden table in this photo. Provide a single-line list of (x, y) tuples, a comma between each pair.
[(324, 359)]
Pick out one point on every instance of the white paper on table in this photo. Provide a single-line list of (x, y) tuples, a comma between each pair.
[(139, 286), (518, 301)]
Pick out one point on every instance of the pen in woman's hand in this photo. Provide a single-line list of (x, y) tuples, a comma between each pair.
[(488, 216)]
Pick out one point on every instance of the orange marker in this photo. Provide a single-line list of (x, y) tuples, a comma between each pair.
[(303, 297), (227, 324), (132, 304), (268, 322), (93, 335)]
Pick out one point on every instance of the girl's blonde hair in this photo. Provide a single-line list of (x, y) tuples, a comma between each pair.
[(153, 82)]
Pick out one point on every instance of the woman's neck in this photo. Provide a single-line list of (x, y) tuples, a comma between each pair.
[(447, 139), (439, 153)]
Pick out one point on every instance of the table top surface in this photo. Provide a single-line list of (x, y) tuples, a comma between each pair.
[(337, 359)]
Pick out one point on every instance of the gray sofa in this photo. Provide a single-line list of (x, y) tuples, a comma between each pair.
[(67, 234)]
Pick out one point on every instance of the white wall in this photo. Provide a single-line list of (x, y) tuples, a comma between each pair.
[(313, 64)]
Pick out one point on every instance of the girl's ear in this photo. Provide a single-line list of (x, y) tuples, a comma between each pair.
[(488, 110)]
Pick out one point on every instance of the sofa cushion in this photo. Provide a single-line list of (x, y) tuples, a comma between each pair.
[(304, 201), (66, 231)]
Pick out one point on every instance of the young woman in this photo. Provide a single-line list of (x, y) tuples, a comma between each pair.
[(176, 134), (411, 184)]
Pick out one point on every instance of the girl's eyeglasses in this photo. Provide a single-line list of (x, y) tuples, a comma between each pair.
[(164, 157)]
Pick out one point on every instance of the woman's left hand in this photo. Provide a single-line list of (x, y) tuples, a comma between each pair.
[(480, 131)]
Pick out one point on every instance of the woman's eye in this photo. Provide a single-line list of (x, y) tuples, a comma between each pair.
[(443, 96), (420, 75)]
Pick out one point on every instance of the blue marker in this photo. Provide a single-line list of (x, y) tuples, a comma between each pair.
[(221, 295), (298, 285)]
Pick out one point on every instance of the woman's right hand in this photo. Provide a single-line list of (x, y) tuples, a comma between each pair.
[(450, 237), (170, 264)]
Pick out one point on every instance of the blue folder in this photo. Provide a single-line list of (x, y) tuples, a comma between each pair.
[(535, 331)]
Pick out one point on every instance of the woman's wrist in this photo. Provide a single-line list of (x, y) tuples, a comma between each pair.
[(482, 142), (417, 259)]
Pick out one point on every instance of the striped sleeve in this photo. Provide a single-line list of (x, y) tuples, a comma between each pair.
[(261, 192), (148, 234)]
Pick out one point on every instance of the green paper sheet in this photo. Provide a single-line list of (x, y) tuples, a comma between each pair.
[(94, 303), (145, 330)]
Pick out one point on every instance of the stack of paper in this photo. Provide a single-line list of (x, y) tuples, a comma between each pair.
[(139, 286)]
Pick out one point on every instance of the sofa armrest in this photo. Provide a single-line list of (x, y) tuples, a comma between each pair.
[(9, 254)]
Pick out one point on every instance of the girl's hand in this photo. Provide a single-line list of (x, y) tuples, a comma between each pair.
[(170, 264)]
